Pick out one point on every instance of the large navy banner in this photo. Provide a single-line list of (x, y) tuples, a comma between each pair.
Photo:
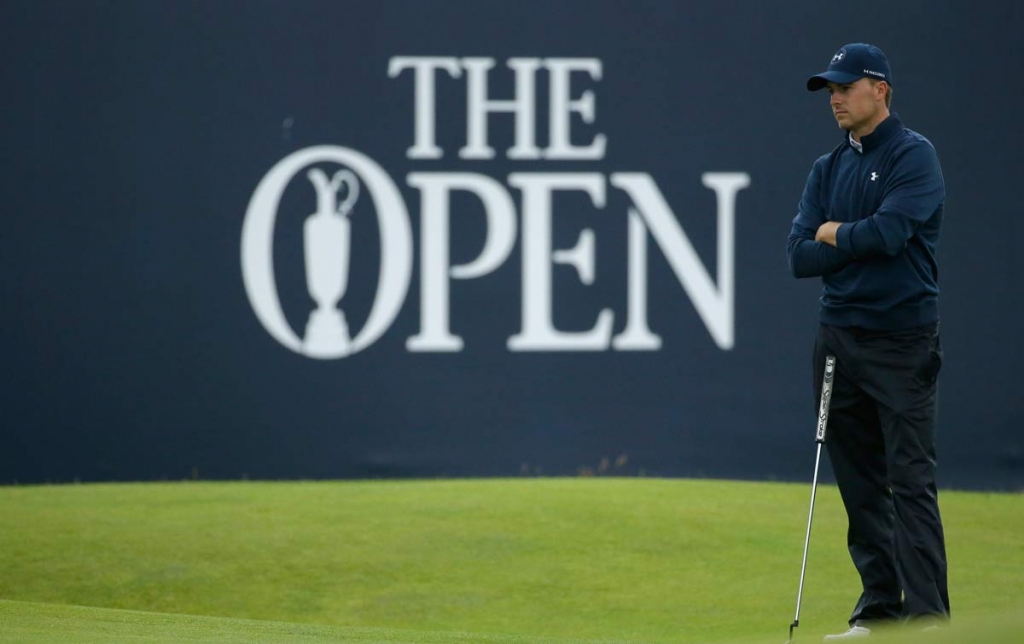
[(337, 239)]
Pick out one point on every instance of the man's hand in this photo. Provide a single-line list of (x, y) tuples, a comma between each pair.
[(827, 232)]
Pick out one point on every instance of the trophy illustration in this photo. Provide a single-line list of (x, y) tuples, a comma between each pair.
[(327, 239)]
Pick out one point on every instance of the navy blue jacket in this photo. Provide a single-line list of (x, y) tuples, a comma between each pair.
[(882, 274)]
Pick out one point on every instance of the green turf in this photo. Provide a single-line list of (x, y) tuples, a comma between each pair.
[(639, 560), (33, 623)]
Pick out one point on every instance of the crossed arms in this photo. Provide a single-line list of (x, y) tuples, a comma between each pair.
[(913, 192)]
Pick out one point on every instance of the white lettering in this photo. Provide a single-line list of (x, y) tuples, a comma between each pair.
[(539, 332), (478, 105), (425, 66), (714, 305), (327, 239), (561, 146), (637, 335), (435, 188)]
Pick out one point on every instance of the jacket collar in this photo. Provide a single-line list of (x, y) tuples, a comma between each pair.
[(885, 131)]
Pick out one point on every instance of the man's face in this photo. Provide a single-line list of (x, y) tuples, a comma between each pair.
[(856, 104)]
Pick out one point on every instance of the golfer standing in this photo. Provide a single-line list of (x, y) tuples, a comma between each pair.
[(868, 224)]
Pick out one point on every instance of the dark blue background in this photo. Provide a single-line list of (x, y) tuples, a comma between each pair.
[(134, 134)]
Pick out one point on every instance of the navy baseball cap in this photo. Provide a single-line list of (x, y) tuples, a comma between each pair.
[(851, 63)]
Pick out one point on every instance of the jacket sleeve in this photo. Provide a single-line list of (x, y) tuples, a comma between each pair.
[(913, 192), (809, 258)]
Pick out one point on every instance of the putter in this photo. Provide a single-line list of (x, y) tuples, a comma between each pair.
[(819, 438)]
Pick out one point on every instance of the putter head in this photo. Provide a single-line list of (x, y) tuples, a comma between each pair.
[(795, 623)]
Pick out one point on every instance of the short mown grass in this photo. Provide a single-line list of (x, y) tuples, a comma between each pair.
[(32, 623), (632, 560)]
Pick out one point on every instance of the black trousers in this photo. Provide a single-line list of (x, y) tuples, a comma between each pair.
[(880, 441)]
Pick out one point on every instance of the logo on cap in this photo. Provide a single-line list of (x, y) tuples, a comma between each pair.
[(841, 54)]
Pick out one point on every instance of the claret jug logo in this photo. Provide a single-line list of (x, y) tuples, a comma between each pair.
[(326, 236), (350, 189)]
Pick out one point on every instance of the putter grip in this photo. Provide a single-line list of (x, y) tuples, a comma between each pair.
[(826, 398)]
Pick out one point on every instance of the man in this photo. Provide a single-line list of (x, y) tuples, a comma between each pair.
[(868, 224)]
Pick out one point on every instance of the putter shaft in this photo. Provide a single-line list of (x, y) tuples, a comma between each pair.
[(807, 542), (819, 438)]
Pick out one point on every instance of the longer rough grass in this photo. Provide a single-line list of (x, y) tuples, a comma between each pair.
[(614, 559)]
